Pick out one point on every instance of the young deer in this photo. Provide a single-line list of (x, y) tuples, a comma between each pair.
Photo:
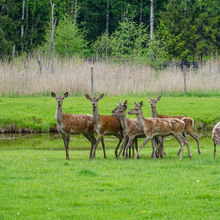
[(104, 124), (216, 136), (130, 128), (160, 127), (76, 124), (188, 121)]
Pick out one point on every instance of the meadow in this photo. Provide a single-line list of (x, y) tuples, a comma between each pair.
[(36, 182)]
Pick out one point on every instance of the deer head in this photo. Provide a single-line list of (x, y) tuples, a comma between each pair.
[(121, 110), (136, 109), (94, 100), (154, 101), (59, 99), (116, 108)]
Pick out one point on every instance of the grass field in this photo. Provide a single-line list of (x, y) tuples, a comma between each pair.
[(38, 113), (36, 182), (41, 184)]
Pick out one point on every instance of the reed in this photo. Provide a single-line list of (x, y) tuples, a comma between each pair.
[(25, 78)]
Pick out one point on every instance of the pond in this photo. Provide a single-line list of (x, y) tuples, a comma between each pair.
[(52, 141)]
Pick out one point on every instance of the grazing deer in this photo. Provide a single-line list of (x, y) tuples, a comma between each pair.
[(76, 124), (188, 121), (130, 128), (160, 127), (216, 136), (104, 124)]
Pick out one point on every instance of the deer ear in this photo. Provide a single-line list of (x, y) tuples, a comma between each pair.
[(125, 104), (158, 98), (88, 97), (150, 99), (101, 96), (135, 103), (66, 94), (141, 104), (53, 94), (119, 102)]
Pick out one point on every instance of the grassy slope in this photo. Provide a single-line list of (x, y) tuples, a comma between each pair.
[(39, 112), (37, 184)]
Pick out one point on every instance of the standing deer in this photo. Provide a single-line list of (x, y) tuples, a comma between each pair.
[(216, 136), (188, 121), (104, 124), (76, 124), (160, 127), (130, 128)]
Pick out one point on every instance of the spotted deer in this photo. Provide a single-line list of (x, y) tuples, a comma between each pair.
[(70, 123), (216, 136), (130, 128), (188, 121), (104, 124), (160, 127)]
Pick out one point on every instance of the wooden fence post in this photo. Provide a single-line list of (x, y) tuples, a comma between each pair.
[(184, 78)]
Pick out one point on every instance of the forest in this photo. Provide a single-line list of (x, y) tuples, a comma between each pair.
[(183, 30)]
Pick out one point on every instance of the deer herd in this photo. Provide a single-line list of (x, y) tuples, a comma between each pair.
[(128, 130)]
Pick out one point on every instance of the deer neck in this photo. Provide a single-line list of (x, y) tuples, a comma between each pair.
[(59, 114), (123, 122), (154, 112), (140, 119), (95, 114)]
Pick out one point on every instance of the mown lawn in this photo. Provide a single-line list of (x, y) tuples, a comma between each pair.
[(41, 184), (38, 113)]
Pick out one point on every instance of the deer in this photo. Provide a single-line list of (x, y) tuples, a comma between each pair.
[(71, 123), (104, 124), (188, 121), (130, 128), (154, 127), (216, 136)]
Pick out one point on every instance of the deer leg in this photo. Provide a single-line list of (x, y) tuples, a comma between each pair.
[(214, 149), (136, 146), (66, 139), (100, 136), (90, 138), (128, 146), (187, 144), (103, 147), (193, 135), (130, 150), (120, 140), (145, 142), (125, 141), (178, 138), (154, 148)]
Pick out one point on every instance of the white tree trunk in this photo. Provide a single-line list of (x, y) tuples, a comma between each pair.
[(151, 18), (52, 36), (22, 26)]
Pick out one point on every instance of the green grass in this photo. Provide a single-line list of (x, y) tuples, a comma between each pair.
[(38, 113), (41, 184)]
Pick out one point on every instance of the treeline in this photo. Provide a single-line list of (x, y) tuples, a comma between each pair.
[(183, 29)]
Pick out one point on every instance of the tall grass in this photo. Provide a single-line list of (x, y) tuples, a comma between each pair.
[(25, 78)]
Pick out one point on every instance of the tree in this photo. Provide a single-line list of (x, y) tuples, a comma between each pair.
[(68, 39)]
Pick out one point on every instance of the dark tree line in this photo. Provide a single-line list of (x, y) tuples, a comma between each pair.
[(185, 29)]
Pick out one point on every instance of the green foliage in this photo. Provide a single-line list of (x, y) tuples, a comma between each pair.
[(190, 28), (68, 39)]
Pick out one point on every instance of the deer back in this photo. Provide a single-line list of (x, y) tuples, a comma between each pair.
[(77, 123), (163, 127)]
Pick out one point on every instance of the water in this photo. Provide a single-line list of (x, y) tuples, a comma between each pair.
[(48, 142)]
